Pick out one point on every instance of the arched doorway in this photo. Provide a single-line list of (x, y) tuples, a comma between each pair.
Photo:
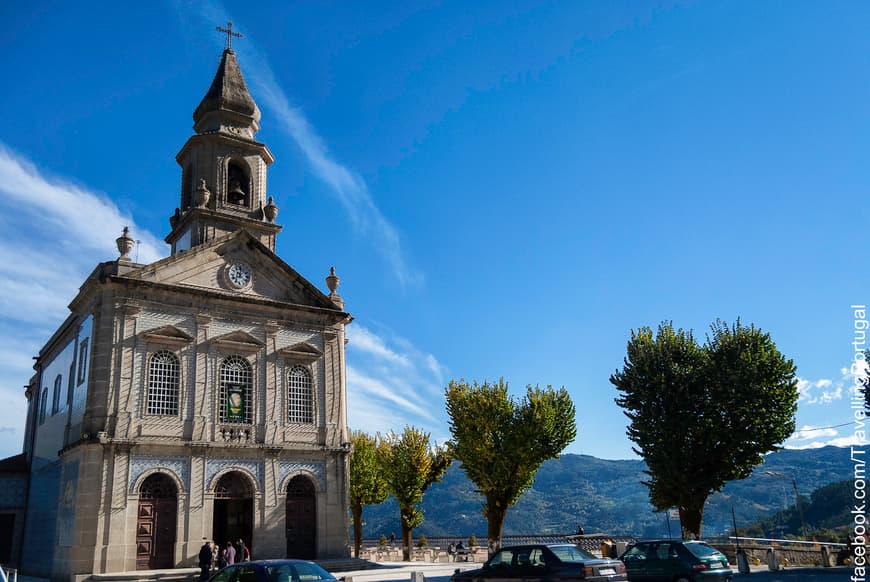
[(301, 519), (155, 527), (233, 510)]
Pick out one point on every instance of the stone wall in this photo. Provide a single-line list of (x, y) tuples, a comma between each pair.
[(435, 554), (785, 555)]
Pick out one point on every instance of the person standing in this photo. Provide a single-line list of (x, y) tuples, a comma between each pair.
[(204, 559), (243, 554), (230, 553), (214, 555)]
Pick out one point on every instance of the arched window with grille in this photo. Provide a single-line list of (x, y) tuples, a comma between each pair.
[(163, 373), (235, 378), (300, 397)]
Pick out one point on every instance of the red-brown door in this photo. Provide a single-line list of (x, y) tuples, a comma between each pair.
[(301, 519), (155, 527)]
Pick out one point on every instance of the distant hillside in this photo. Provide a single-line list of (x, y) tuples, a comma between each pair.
[(608, 496), (826, 513)]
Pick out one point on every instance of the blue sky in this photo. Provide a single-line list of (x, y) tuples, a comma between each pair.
[(505, 188)]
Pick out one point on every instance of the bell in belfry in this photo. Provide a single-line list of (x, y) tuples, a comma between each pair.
[(236, 195)]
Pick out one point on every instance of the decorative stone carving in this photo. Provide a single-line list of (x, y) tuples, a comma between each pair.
[(287, 468), (301, 352), (332, 281), (215, 466), (125, 244), (237, 435), (270, 211), (202, 194), (178, 466), (238, 341)]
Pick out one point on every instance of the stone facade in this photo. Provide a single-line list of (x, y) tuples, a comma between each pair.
[(201, 396)]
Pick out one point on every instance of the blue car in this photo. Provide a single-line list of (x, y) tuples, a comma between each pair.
[(273, 571)]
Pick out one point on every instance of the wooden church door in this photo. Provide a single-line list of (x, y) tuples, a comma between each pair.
[(301, 522), (155, 527)]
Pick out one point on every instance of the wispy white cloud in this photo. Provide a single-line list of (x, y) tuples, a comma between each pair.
[(389, 393), (65, 213), (391, 383), (366, 341), (825, 390), (346, 185), (845, 441), (52, 234)]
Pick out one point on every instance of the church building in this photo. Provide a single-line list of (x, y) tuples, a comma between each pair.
[(200, 396)]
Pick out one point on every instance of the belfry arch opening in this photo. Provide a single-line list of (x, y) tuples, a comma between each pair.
[(238, 185), (233, 510), (155, 524)]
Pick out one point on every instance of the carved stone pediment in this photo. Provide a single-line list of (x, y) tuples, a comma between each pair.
[(167, 335), (238, 341), (303, 352)]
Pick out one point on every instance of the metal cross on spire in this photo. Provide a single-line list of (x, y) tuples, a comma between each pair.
[(230, 33)]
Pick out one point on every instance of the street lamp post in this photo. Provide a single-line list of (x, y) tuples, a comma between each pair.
[(797, 497)]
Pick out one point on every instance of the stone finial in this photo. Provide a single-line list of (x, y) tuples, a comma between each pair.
[(202, 195), (125, 244), (332, 282), (270, 211)]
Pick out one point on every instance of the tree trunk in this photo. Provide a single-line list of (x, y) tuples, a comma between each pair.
[(406, 541), (495, 523), (690, 521), (356, 510)]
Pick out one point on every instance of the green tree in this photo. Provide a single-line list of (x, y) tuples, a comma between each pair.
[(502, 443), (703, 415), (367, 485), (410, 465)]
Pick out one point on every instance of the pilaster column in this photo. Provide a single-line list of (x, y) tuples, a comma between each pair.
[(200, 382), (124, 392), (272, 386)]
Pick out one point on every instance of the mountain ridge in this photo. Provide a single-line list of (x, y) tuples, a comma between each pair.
[(607, 496)]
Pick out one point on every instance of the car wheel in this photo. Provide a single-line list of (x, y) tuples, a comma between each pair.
[(683, 579)]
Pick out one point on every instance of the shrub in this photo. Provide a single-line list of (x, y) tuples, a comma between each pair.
[(382, 541), (472, 541), (422, 542)]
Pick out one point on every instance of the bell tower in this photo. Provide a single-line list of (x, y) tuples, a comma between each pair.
[(223, 168)]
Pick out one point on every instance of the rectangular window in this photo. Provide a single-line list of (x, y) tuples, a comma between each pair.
[(83, 361), (55, 399), (43, 405), (163, 378)]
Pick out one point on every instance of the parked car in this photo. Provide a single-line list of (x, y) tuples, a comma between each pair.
[(543, 563), (675, 561), (273, 571)]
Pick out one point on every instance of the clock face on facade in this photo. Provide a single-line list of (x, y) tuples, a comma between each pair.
[(239, 275)]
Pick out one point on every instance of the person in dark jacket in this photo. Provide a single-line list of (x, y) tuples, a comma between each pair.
[(243, 554), (204, 559)]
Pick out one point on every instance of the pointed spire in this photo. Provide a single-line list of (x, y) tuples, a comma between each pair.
[(227, 102)]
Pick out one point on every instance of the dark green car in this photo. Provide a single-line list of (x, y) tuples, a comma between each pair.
[(675, 561)]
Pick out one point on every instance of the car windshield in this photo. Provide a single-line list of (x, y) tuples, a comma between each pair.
[(296, 572), (571, 554), (702, 550)]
